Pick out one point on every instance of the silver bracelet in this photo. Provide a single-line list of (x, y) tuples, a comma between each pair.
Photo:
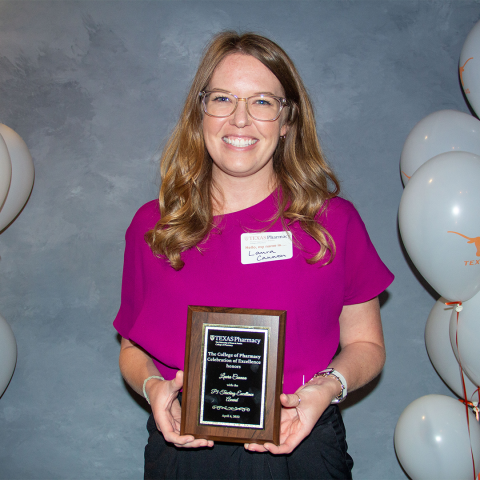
[(158, 377), (331, 372)]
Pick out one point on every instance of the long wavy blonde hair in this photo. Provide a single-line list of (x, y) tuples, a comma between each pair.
[(304, 179)]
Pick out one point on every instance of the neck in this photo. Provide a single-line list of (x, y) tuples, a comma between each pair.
[(235, 194)]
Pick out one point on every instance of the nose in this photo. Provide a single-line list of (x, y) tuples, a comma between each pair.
[(240, 117)]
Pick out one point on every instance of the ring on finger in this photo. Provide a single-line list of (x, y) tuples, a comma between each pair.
[(299, 399)]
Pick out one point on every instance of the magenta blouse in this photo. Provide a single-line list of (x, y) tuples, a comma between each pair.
[(155, 297)]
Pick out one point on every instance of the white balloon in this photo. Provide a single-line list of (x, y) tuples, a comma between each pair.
[(438, 219), (469, 67), (5, 171), (8, 354), (431, 439), (439, 132), (23, 174), (468, 336), (437, 341)]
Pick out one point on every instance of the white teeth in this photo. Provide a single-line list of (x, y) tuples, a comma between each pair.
[(239, 142)]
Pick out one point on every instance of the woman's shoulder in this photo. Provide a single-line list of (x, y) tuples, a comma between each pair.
[(146, 216), (340, 209)]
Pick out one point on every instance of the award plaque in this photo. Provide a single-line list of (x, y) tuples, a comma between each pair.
[(233, 374)]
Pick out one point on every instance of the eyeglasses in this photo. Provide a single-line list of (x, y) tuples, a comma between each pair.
[(266, 108)]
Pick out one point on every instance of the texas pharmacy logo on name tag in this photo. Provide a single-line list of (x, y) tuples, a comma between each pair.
[(266, 247)]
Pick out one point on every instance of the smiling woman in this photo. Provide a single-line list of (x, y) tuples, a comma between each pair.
[(243, 159)]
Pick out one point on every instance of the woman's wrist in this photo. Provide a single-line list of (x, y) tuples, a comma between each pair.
[(332, 373), (148, 383), (327, 384)]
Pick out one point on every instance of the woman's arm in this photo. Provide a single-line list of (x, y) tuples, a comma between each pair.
[(362, 353), (361, 359), (136, 365)]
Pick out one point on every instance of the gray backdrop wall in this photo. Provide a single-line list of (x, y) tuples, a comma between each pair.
[(94, 88)]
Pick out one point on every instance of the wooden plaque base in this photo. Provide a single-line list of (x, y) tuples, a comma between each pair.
[(233, 374)]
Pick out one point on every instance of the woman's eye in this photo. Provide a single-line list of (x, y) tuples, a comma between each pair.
[(263, 102), (220, 99)]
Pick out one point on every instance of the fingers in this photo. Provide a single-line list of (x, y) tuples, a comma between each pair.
[(282, 449), (255, 447), (188, 441), (300, 412), (198, 443), (172, 435), (290, 401), (167, 413), (177, 439), (178, 380), (167, 391), (297, 421), (174, 386)]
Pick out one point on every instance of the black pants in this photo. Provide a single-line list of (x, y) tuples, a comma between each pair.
[(322, 455)]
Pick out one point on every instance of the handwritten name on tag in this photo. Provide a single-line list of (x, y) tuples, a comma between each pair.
[(265, 247)]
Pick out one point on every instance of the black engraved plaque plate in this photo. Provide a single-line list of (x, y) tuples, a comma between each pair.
[(234, 376)]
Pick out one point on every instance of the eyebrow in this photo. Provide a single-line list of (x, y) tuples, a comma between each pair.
[(256, 93)]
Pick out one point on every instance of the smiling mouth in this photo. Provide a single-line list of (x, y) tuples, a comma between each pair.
[(239, 142)]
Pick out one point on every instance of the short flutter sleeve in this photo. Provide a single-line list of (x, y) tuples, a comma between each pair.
[(366, 276), (133, 279)]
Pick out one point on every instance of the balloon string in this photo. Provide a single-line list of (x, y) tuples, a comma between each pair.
[(458, 309)]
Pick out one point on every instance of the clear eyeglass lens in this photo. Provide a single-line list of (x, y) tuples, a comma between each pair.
[(260, 107)]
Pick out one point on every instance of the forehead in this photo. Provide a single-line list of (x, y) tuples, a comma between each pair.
[(245, 73)]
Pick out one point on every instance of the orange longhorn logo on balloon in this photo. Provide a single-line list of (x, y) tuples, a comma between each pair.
[(475, 240), (461, 70)]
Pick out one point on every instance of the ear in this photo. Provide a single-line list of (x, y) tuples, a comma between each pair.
[(284, 129), (284, 121)]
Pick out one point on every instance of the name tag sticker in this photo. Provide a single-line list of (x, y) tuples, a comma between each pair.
[(266, 247)]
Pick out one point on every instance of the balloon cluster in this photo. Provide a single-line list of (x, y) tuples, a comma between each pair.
[(16, 182), (437, 436)]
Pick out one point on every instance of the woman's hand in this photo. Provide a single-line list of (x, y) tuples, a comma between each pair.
[(136, 365), (163, 395), (299, 418)]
